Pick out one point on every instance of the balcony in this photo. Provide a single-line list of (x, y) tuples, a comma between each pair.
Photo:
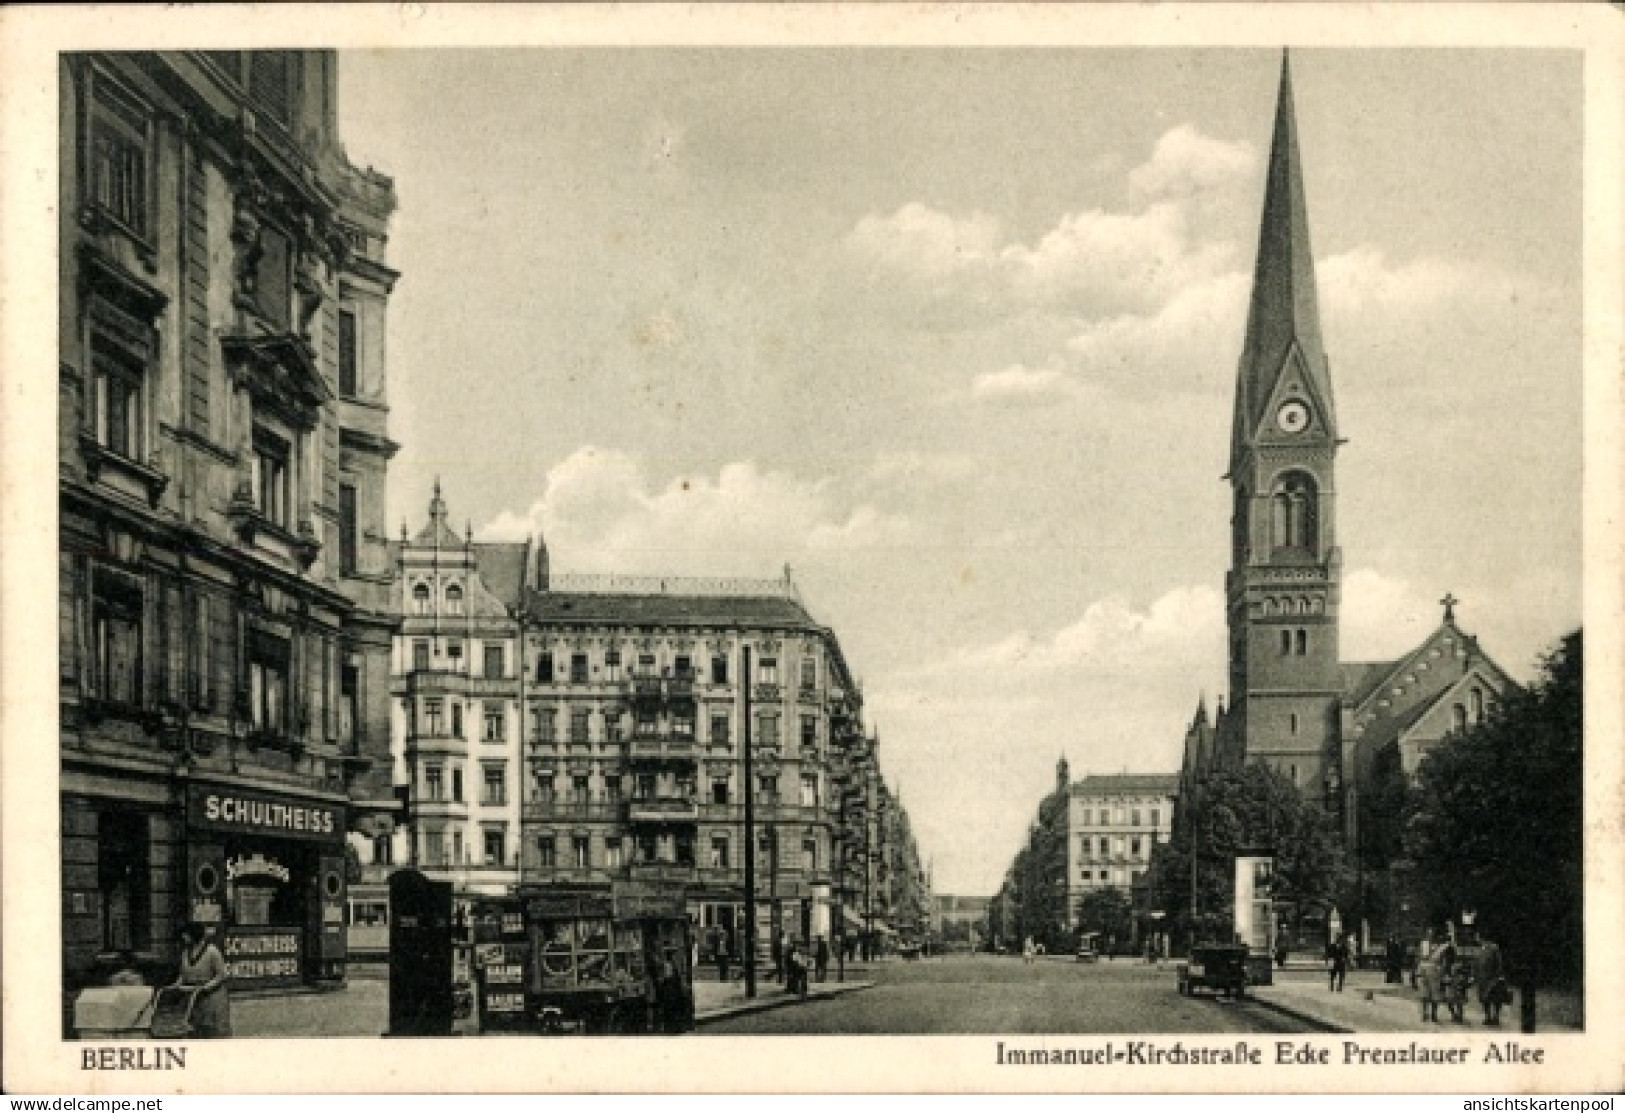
[(663, 809), (662, 871), (563, 810), (765, 693), (664, 746), (681, 684), (431, 681), (644, 687)]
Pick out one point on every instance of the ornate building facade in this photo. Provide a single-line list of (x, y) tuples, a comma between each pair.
[(225, 599)]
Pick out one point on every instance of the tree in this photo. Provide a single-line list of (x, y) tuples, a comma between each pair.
[(1496, 824), (1109, 912), (1236, 809)]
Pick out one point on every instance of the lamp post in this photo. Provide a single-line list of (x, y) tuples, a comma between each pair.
[(750, 831)]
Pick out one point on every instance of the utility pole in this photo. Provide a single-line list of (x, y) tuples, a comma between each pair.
[(750, 834), (1194, 814)]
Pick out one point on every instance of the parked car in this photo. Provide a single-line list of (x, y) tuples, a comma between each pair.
[(1218, 967)]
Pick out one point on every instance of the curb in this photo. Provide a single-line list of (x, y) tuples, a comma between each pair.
[(1318, 1023), (777, 1001)]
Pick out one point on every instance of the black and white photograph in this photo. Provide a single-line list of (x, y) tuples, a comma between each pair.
[(1079, 547)]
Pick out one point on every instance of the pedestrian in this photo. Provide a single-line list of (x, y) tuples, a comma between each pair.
[(1027, 951), (1429, 977), (671, 1002), (203, 968), (1490, 974), (1458, 976), (1280, 953), (1337, 963), (778, 956), (724, 953), (1393, 961), (821, 958)]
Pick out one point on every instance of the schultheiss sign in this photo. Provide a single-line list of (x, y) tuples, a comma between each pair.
[(250, 812)]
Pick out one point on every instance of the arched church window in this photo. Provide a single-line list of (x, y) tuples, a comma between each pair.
[(420, 598), (1458, 717), (1306, 605), (1294, 521), (1286, 642), (1476, 699), (1303, 642), (454, 599)]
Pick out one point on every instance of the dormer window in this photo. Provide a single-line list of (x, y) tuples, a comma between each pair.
[(454, 599)]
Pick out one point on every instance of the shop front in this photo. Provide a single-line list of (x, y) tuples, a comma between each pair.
[(266, 876)]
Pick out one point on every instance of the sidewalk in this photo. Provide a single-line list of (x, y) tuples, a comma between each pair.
[(1368, 1004), (714, 1000)]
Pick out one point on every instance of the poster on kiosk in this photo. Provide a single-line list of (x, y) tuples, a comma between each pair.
[(1255, 912)]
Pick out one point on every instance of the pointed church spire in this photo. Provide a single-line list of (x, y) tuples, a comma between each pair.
[(1285, 310)]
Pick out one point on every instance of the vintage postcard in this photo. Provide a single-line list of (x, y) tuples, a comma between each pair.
[(1054, 548)]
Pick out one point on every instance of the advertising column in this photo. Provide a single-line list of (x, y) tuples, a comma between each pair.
[(266, 876), (1255, 913)]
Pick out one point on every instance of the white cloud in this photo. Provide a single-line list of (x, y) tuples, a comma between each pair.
[(1185, 162), (600, 513), (1361, 280), (1020, 384), (921, 242), (1382, 616)]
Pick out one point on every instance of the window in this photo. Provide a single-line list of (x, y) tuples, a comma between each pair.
[(612, 853), (612, 666), (719, 670), (580, 852), (684, 783), (719, 731), (543, 793), (431, 712), (719, 790), (420, 656), (383, 850), (578, 668), (457, 784), (123, 880), (347, 353), (495, 721), (1105, 817), (646, 848), (456, 719), (580, 792), (809, 855), (1293, 513), (684, 846), (1292, 773), (1134, 818), (1292, 722), (119, 164), (682, 720), (349, 536), (612, 788), (268, 681), (494, 662), (546, 854), (434, 786), (271, 472), (644, 786), (767, 733), (1286, 642), (454, 599), (768, 670), (434, 848), (809, 733), (496, 849), (1104, 847), (116, 611), (1302, 639), (809, 673), (1156, 817), (1458, 717), (420, 598), (613, 726), (271, 83), (809, 790), (118, 391), (767, 788), (544, 668), (646, 665), (683, 667), (495, 793), (646, 725), (1134, 846), (719, 852), (764, 850), (578, 727), (1476, 702)]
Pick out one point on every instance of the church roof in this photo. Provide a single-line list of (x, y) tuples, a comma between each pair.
[(1284, 311), (1361, 678)]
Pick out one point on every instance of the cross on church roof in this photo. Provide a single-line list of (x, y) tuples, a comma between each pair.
[(1449, 603)]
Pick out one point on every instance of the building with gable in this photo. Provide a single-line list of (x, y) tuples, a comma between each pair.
[(1334, 728)]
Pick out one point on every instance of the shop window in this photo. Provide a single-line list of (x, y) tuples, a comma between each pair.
[(496, 849), (579, 727), (578, 668), (546, 852), (116, 621), (349, 531), (719, 852), (719, 731), (809, 855), (454, 600), (768, 670), (719, 670), (494, 721), (495, 793), (494, 662), (268, 658), (580, 852), (612, 666), (809, 733), (369, 913), (272, 471), (124, 882), (420, 598), (612, 853), (434, 783), (347, 353)]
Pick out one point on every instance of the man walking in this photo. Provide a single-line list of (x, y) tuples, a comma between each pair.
[(1337, 963), (821, 958)]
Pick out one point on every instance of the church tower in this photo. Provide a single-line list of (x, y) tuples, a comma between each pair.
[(1282, 588)]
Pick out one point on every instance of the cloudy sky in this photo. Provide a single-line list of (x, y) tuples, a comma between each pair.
[(954, 334)]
